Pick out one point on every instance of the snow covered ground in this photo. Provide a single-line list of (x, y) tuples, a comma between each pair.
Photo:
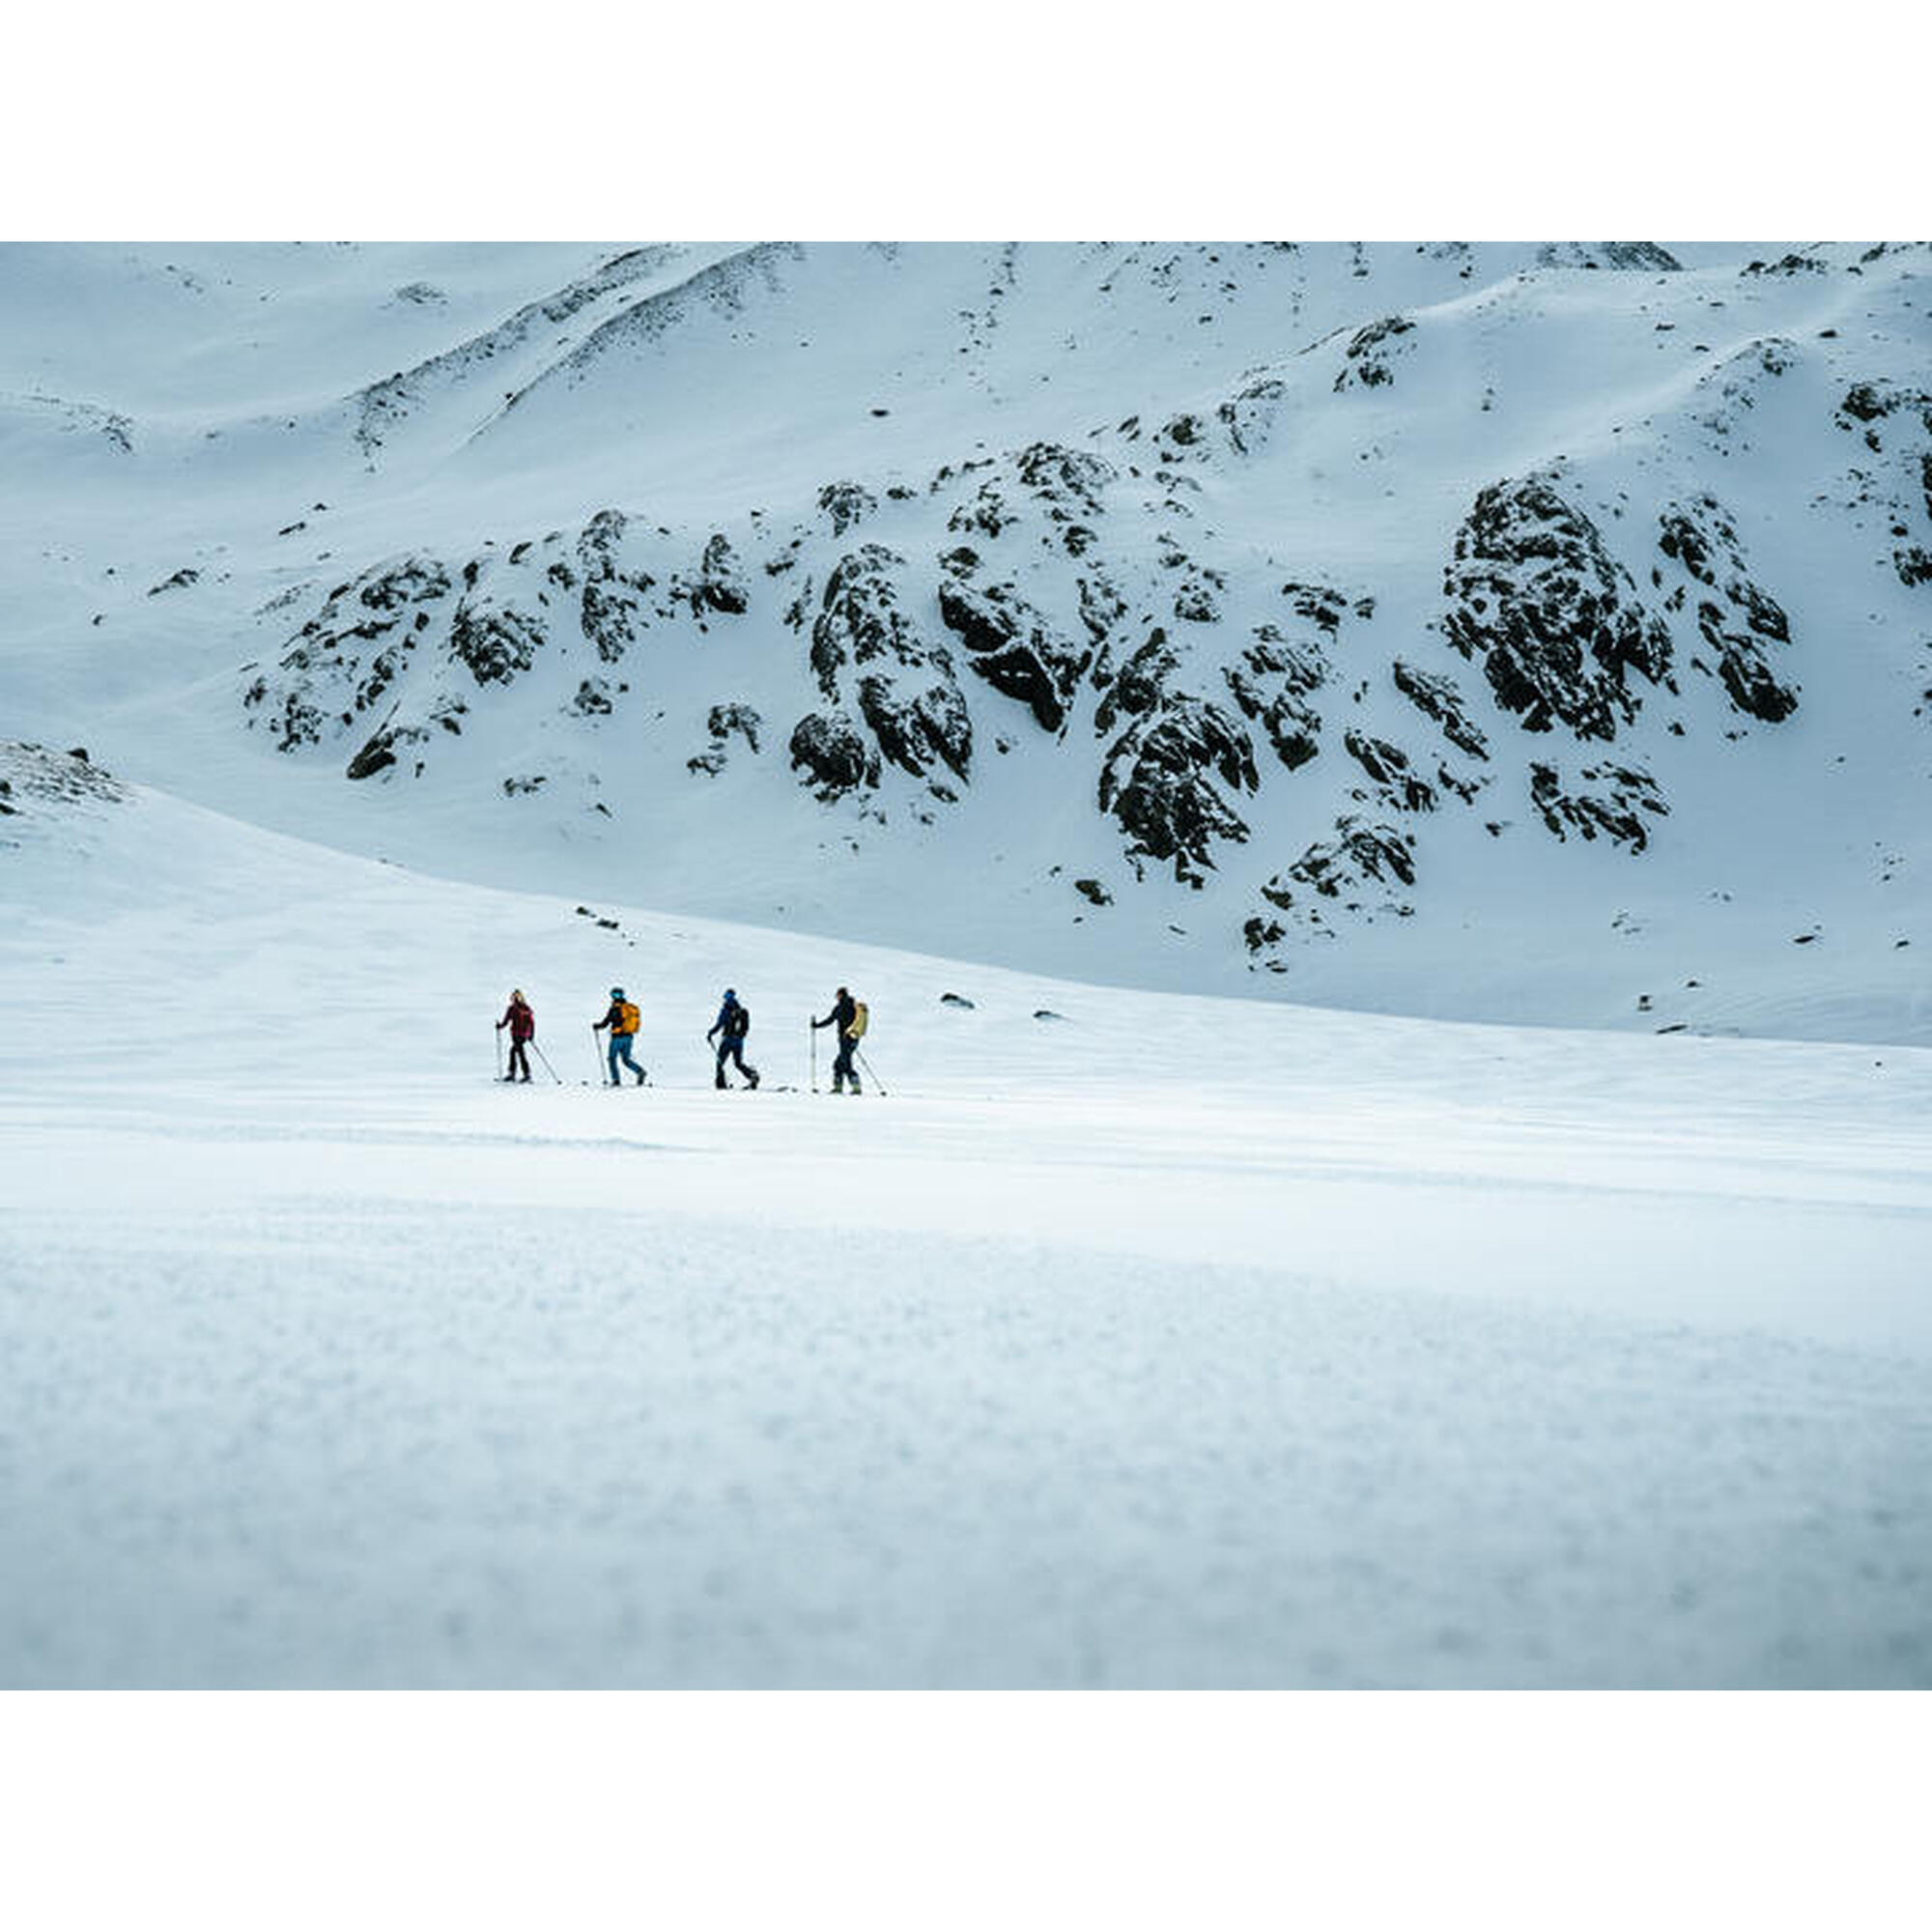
[(1170, 1341)]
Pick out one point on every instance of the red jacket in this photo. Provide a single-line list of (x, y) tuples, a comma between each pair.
[(521, 1020)]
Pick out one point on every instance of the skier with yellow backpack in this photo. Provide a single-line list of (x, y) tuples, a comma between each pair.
[(850, 1017), (622, 1020)]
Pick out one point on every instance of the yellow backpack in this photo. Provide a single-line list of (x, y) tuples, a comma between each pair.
[(627, 1016), (860, 1018)]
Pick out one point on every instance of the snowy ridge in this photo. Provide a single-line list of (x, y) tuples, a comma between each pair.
[(1326, 621)]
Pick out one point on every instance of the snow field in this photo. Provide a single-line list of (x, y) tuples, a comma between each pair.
[(1173, 1342)]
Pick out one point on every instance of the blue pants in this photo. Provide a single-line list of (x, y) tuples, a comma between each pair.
[(620, 1049)]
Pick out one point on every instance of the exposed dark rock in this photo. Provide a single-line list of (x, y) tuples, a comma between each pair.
[(415, 581), (1639, 255), (1359, 852), (330, 675), (377, 756), (1094, 890), (1701, 536), (726, 720), (1158, 777), (721, 585), (1068, 482), (1194, 601), (1014, 648), (906, 689), (180, 581), (1787, 265), (1270, 681), (829, 749), (35, 777), (1553, 620), (1438, 697), (955, 1000), (494, 641), (1365, 361), (846, 504), (1616, 794), (1249, 414), (611, 615), (987, 515), (1101, 605), (1388, 766), (1324, 607)]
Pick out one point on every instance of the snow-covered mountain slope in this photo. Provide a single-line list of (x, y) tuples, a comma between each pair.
[(1497, 631), (1132, 1339)]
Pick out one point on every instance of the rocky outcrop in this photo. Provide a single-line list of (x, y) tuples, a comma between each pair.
[(827, 749), (1736, 618), (494, 641), (1552, 619), (725, 721), (720, 582), (1396, 787), (1272, 682), (36, 782), (1068, 484), (342, 662), (1438, 697), (1609, 799), (903, 684), (846, 504), (612, 610), (1010, 644), (1166, 776), (1362, 854), (1367, 362)]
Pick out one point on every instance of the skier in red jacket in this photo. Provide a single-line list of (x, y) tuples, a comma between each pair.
[(523, 1025)]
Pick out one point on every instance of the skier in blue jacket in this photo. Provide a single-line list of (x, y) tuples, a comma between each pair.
[(728, 1028)]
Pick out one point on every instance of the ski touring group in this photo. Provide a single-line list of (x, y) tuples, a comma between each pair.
[(726, 1037)]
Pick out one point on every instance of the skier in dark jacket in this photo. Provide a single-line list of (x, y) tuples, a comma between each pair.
[(730, 1028), (523, 1025), (622, 1020), (844, 1015)]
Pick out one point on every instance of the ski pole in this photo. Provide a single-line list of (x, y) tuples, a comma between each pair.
[(499, 1052), (597, 1054), (813, 1036), (545, 1058), (868, 1065)]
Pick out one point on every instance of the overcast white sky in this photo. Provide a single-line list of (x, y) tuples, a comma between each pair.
[(857, 119)]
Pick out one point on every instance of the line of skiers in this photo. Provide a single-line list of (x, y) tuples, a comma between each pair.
[(725, 1035)]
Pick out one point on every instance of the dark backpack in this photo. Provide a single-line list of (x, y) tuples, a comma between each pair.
[(738, 1023)]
